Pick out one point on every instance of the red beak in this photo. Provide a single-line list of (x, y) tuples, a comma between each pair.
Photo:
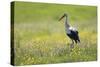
[(62, 17)]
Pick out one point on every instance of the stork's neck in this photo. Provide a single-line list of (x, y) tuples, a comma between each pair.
[(66, 23)]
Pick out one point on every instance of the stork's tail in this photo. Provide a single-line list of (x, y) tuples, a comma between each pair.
[(78, 40)]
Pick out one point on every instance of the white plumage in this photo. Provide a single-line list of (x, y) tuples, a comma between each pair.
[(68, 30)]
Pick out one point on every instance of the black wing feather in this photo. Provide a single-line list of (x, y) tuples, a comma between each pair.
[(74, 35)]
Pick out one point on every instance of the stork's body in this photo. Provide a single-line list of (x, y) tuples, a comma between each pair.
[(71, 32)]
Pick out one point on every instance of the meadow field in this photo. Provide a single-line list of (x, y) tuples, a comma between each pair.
[(39, 38)]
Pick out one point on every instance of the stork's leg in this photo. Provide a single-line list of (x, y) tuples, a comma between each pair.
[(72, 45)]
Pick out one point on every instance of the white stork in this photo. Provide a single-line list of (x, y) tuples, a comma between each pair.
[(71, 32)]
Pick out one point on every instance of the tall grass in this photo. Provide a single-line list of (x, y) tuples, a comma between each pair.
[(39, 37)]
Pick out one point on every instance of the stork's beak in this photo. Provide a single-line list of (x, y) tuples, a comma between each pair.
[(62, 17)]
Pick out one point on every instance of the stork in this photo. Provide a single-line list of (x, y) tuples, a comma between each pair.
[(71, 32)]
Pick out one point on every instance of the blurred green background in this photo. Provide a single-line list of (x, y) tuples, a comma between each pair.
[(39, 37)]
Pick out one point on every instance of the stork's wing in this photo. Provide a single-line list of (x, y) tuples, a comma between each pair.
[(76, 32), (73, 35)]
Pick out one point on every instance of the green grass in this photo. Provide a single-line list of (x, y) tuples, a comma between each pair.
[(39, 37)]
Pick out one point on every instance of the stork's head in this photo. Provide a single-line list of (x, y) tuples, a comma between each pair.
[(65, 15)]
